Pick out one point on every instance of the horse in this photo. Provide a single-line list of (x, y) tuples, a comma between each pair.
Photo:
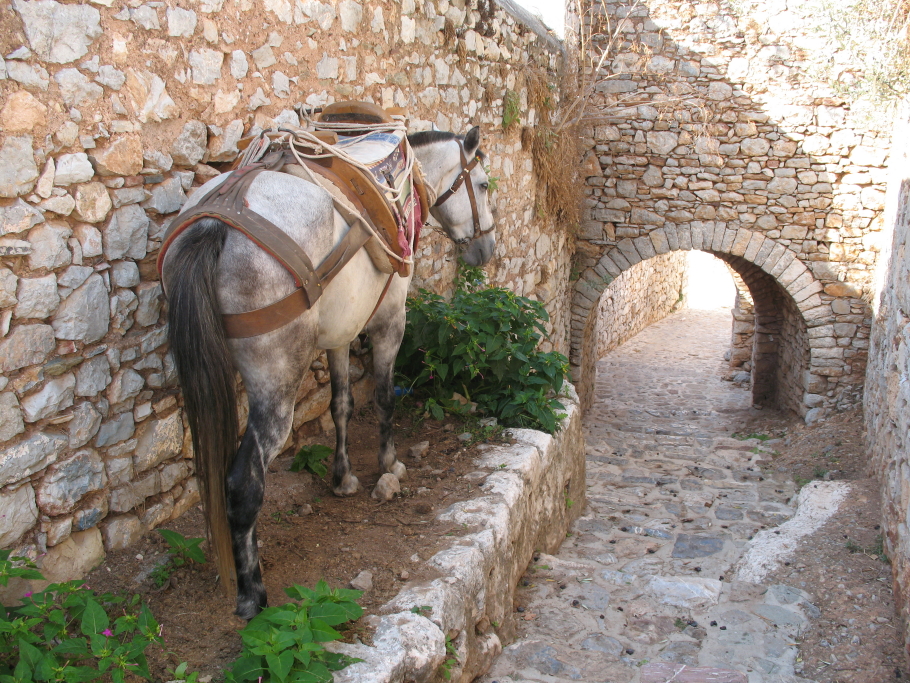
[(211, 270)]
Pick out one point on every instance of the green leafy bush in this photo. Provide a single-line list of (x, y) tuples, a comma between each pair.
[(284, 644), (312, 459), (483, 344), (67, 633)]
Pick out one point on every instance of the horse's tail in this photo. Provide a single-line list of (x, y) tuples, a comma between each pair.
[(206, 373)]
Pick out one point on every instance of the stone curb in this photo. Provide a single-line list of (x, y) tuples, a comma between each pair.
[(535, 491)]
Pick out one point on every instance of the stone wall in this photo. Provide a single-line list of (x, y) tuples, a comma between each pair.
[(642, 295), (112, 114), (713, 138), (887, 396)]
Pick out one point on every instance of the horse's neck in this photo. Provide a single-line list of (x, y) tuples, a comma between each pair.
[(435, 163)]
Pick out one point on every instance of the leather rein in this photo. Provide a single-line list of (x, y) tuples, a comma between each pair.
[(464, 178)]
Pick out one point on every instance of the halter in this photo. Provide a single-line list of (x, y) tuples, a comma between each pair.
[(465, 178)]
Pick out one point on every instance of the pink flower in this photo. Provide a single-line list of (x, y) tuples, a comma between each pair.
[(29, 594), (107, 632)]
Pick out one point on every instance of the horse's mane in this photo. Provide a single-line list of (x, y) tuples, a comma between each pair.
[(429, 137)]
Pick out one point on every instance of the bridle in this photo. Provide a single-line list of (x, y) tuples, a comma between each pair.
[(464, 178)]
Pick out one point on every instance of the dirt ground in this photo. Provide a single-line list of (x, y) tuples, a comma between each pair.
[(856, 639), (305, 534)]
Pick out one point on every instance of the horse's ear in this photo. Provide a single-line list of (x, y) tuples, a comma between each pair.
[(472, 142)]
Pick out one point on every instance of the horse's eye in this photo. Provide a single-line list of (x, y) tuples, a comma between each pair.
[(485, 186)]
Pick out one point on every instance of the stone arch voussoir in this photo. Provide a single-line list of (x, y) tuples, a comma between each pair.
[(735, 246)]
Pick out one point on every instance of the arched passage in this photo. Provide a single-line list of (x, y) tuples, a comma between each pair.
[(799, 352)]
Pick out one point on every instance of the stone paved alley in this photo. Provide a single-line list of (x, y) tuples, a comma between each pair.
[(645, 583)]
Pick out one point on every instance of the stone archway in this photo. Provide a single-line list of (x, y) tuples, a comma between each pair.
[(800, 351)]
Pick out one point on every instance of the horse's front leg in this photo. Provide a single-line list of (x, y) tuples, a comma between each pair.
[(343, 482), (386, 342), (269, 423)]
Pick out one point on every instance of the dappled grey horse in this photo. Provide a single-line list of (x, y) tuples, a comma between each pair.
[(211, 270)]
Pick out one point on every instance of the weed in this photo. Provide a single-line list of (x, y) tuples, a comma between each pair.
[(285, 643), (422, 610), (876, 550), (494, 624), (819, 472), (312, 458), (451, 660), (511, 109), (180, 674), (182, 551), (492, 180), (754, 435), (569, 502), (681, 624), (852, 546)]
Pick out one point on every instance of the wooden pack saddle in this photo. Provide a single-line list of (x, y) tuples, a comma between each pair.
[(357, 196)]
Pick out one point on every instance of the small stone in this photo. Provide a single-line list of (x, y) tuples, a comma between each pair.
[(190, 146), (125, 385), (180, 22), (688, 546), (239, 64), (363, 581), (125, 274), (145, 17), (62, 205), (26, 345), (121, 531), (110, 77), (89, 239), (419, 450), (386, 487), (18, 170), (67, 482), (18, 514), (59, 33), (684, 591), (53, 397), (76, 89), (206, 66), (122, 157), (119, 429), (37, 297), (18, 217), (22, 112), (84, 425), (405, 575), (67, 134), (11, 422), (264, 57), (30, 456), (224, 147), (85, 314), (148, 96), (258, 99), (351, 14), (93, 376), (126, 234), (49, 246), (73, 168), (167, 197), (158, 440), (92, 202)]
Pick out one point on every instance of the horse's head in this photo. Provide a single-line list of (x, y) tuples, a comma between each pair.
[(454, 168)]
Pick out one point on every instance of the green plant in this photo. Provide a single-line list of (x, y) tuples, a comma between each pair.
[(483, 345), (511, 109), (422, 610), (182, 551), (180, 674), (753, 435), (680, 624), (284, 644), (492, 180), (451, 660), (569, 502), (312, 458), (68, 633)]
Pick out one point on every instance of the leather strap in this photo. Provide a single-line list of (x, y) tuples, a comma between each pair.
[(465, 174)]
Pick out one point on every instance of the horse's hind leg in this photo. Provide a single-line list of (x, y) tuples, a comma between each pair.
[(386, 342), (343, 482), (271, 399)]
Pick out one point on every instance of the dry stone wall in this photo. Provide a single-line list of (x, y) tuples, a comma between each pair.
[(887, 397), (717, 140), (112, 113)]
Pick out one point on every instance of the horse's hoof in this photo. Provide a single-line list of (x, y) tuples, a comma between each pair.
[(249, 608), (399, 470), (348, 486)]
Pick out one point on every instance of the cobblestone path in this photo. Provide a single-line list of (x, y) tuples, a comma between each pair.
[(645, 583)]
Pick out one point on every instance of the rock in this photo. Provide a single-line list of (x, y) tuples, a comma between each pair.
[(92, 202), (67, 482), (327, 67), (18, 217), (239, 64), (26, 345), (62, 205), (53, 397), (18, 514), (661, 142), (58, 33), (74, 558), (125, 274), (120, 470), (264, 57), (755, 146), (74, 276), (49, 247), (167, 197), (181, 23), (110, 77), (661, 672), (10, 417), (258, 99), (190, 146), (84, 425), (281, 85), (121, 531), (30, 456), (119, 429), (224, 147), (351, 15), (123, 156), (127, 497), (363, 581), (684, 591), (35, 78), (158, 513), (719, 91), (419, 450), (226, 101), (149, 307), (386, 487), (8, 284), (89, 239), (67, 134), (85, 314), (126, 235), (145, 17), (125, 385), (148, 96), (601, 643), (206, 65), (173, 474), (18, 170), (73, 168), (689, 547), (93, 376), (158, 440), (76, 89), (129, 195), (37, 297), (22, 112)]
